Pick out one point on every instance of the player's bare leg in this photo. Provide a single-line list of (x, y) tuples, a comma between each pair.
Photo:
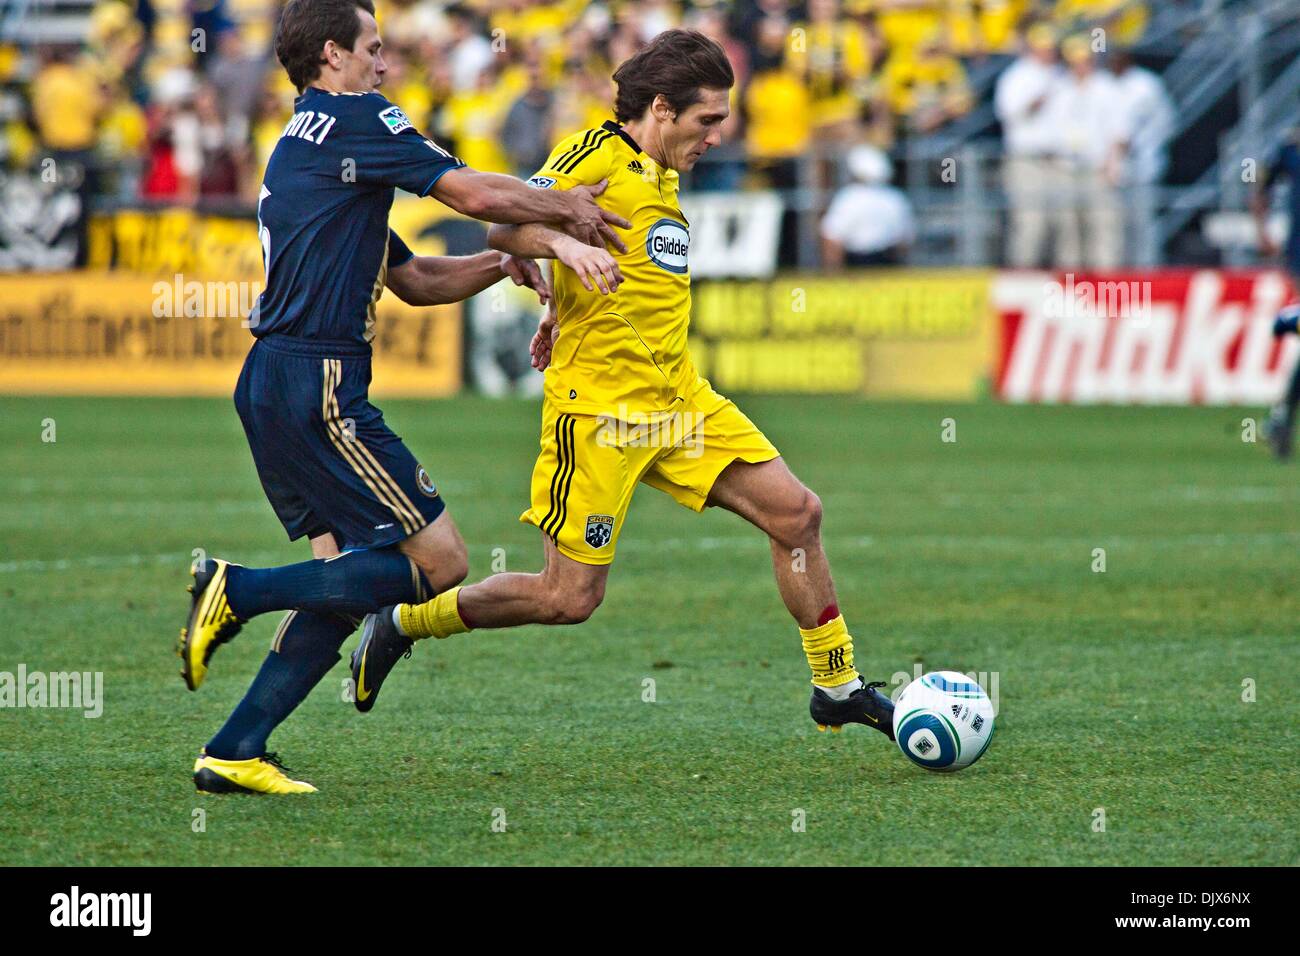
[(438, 551), (771, 498), (564, 592)]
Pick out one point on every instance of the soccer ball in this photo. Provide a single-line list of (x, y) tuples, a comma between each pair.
[(943, 721)]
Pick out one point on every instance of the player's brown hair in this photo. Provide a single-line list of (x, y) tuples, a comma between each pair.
[(307, 25), (675, 64)]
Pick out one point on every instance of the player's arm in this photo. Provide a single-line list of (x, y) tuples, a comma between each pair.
[(383, 147), (437, 280), (493, 197), (576, 164), (595, 268), (543, 342)]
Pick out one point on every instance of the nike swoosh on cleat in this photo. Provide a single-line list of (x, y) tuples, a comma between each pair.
[(874, 720)]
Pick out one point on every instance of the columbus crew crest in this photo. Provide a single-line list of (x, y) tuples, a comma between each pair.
[(600, 528)]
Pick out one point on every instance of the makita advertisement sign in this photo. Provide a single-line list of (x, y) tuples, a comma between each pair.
[(1168, 337)]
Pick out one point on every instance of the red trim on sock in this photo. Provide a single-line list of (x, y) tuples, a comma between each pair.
[(828, 615), (463, 619)]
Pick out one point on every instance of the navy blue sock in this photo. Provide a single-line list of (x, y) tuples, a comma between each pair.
[(305, 648), (1293, 391), (353, 583)]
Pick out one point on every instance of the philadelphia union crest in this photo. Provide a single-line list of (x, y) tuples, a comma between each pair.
[(600, 528), (425, 483)]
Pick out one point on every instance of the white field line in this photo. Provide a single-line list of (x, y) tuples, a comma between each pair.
[(749, 542), (1172, 496), (756, 541), (179, 560)]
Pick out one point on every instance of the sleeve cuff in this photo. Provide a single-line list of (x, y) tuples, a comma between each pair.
[(434, 181)]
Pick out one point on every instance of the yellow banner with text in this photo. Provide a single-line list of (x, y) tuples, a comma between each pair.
[(113, 333), (892, 333)]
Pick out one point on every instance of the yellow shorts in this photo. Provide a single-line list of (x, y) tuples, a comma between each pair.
[(589, 466)]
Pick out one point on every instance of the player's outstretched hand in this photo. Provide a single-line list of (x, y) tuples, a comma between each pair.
[(543, 342), (526, 272), (590, 223), (592, 265)]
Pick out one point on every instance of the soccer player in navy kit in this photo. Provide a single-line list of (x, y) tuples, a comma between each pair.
[(331, 468), (1285, 162)]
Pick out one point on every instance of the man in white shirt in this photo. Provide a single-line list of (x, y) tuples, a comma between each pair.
[(1090, 130), (1149, 117), (471, 52), (1028, 170), (869, 222)]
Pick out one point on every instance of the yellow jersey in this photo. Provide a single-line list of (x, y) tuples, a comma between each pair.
[(779, 105), (623, 352)]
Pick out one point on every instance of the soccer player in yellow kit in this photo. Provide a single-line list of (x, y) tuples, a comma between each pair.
[(625, 405)]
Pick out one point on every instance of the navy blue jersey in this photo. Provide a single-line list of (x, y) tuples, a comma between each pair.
[(322, 213)]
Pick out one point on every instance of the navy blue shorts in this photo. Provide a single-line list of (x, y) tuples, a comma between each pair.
[(327, 461)]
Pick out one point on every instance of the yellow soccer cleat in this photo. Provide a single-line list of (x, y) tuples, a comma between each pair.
[(211, 622), (263, 774)]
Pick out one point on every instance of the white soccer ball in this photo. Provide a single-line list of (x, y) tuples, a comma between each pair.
[(943, 721)]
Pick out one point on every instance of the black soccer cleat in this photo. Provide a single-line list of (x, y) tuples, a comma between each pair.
[(381, 646), (866, 705), (211, 622)]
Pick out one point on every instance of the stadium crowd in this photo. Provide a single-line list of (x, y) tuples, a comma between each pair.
[(180, 101)]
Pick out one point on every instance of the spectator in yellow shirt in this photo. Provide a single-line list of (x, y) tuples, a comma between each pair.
[(906, 24), (583, 99), (67, 105), (523, 22), (929, 88), (472, 120), (829, 54), (778, 105), (1125, 21), (989, 26), (66, 102)]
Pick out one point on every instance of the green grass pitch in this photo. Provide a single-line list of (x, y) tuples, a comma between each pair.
[(1119, 691)]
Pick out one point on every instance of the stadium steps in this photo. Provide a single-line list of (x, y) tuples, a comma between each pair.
[(1268, 109)]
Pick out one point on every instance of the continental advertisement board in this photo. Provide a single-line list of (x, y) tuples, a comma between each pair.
[(113, 333), (163, 309)]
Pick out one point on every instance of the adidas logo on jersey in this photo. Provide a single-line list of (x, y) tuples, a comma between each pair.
[(636, 167)]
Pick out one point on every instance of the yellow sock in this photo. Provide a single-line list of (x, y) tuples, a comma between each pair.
[(829, 649), (437, 618)]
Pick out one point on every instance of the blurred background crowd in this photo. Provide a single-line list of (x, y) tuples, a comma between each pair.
[(875, 119)]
